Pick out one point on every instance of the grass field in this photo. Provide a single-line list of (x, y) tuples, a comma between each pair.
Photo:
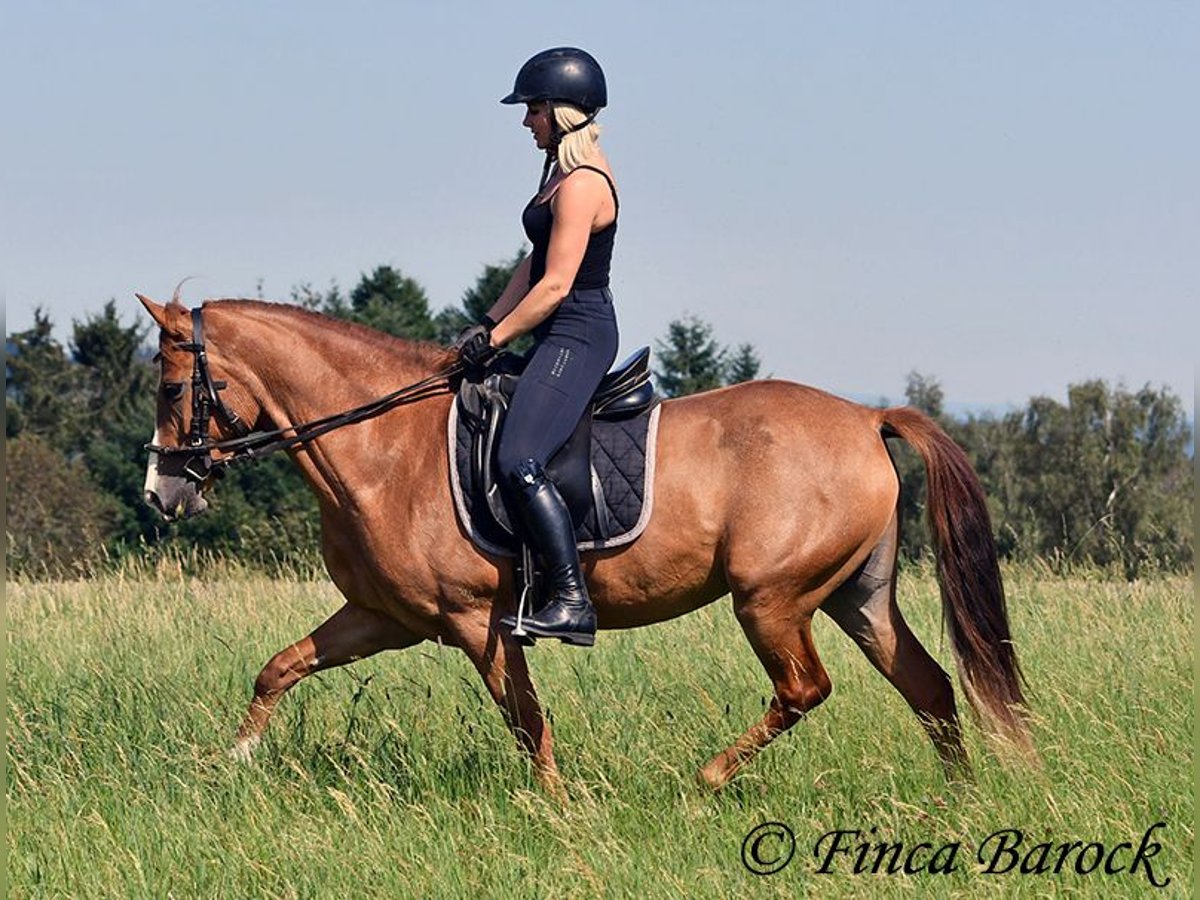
[(396, 777)]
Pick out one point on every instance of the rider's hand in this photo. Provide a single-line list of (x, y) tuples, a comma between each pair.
[(484, 325), (477, 351)]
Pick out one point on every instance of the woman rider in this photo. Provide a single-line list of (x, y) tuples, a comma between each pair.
[(559, 292)]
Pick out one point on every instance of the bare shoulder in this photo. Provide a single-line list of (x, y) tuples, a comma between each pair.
[(588, 190), (600, 172), (583, 182)]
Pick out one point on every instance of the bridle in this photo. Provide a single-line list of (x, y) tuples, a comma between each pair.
[(199, 464)]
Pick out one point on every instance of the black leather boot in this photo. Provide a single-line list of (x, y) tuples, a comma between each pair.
[(568, 615)]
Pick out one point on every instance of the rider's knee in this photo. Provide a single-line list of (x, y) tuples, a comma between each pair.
[(522, 475), (511, 457)]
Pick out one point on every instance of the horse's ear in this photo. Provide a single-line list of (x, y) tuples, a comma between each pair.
[(157, 311)]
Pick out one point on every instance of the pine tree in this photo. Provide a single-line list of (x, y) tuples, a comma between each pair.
[(743, 366), (117, 374), (690, 360), (392, 302), (43, 393), (113, 367)]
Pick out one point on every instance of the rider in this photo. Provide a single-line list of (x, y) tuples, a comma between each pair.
[(559, 292)]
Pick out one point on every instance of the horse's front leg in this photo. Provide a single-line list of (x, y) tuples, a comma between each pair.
[(501, 662), (350, 634)]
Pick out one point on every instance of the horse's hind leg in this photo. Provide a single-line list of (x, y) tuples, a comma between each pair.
[(865, 608), (350, 634), (784, 645)]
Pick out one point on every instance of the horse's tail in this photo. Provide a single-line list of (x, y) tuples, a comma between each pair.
[(969, 577)]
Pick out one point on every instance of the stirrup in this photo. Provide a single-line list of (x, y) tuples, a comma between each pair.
[(517, 630), (527, 638), (517, 625)]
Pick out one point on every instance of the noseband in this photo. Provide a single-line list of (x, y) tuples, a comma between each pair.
[(199, 464)]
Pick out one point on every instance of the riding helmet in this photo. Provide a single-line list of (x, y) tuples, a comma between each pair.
[(565, 74)]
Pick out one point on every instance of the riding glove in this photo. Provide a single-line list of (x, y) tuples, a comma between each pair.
[(474, 346), (484, 325)]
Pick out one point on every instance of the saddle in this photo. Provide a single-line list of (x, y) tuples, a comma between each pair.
[(601, 472)]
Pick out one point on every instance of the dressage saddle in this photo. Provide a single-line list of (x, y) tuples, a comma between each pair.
[(624, 393)]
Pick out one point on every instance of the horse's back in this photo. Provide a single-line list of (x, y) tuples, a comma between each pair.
[(775, 428)]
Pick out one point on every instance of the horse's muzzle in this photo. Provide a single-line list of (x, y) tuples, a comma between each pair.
[(176, 497)]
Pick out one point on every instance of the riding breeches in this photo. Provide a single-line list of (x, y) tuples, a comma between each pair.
[(575, 348)]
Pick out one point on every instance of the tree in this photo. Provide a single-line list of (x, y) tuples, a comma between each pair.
[(925, 393), (117, 375), (119, 399), (744, 365), (478, 299), (329, 302), (56, 519), (488, 287), (42, 390), (690, 360), (1106, 478), (390, 301)]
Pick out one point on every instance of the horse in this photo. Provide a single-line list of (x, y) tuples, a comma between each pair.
[(779, 495)]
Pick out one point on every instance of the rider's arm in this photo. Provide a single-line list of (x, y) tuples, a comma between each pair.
[(514, 291), (576, 205)]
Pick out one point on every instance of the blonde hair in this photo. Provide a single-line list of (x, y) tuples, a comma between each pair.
[(577, 147)]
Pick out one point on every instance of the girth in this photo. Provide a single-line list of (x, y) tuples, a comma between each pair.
[(624, 393)]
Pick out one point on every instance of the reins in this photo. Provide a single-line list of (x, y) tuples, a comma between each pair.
[(253, 445)]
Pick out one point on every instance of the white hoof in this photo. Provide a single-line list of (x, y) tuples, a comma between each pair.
[(243, 749)]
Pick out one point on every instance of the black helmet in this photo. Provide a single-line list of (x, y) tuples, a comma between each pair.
[(563, 73)]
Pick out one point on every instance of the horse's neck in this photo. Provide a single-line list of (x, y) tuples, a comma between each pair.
[(308, 367), (303, 369)]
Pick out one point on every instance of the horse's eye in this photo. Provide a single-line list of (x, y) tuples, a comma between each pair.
[(173, 390)]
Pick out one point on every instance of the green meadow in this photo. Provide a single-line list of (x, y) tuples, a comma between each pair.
[(396, 777)]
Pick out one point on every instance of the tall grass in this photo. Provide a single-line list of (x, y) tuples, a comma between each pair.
[(396, 777)]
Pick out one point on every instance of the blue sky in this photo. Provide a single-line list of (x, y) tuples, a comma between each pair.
[(1004, 196)]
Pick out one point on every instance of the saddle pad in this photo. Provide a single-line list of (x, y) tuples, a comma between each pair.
[(622, 457)]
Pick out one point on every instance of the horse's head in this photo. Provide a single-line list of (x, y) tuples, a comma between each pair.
[(192, 417)]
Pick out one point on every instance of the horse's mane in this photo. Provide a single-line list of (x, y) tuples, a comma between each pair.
[(423, 353)]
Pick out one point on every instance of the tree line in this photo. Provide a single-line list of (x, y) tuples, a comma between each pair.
[(77, 418), (1104, 479)]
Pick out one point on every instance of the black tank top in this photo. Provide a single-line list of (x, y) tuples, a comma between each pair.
[(538, 219)]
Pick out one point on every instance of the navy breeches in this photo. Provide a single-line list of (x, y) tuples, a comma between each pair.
[(575, 348)]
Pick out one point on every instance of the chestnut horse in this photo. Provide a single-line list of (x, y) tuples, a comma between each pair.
[(780, 495)]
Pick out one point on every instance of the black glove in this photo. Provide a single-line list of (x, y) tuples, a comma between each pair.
[(474, 345), (484, 325)]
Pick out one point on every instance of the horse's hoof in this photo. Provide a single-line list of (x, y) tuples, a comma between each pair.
[(243, 749), (711, 779)]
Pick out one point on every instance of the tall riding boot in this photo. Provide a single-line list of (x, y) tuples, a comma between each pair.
[(568, 615)]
